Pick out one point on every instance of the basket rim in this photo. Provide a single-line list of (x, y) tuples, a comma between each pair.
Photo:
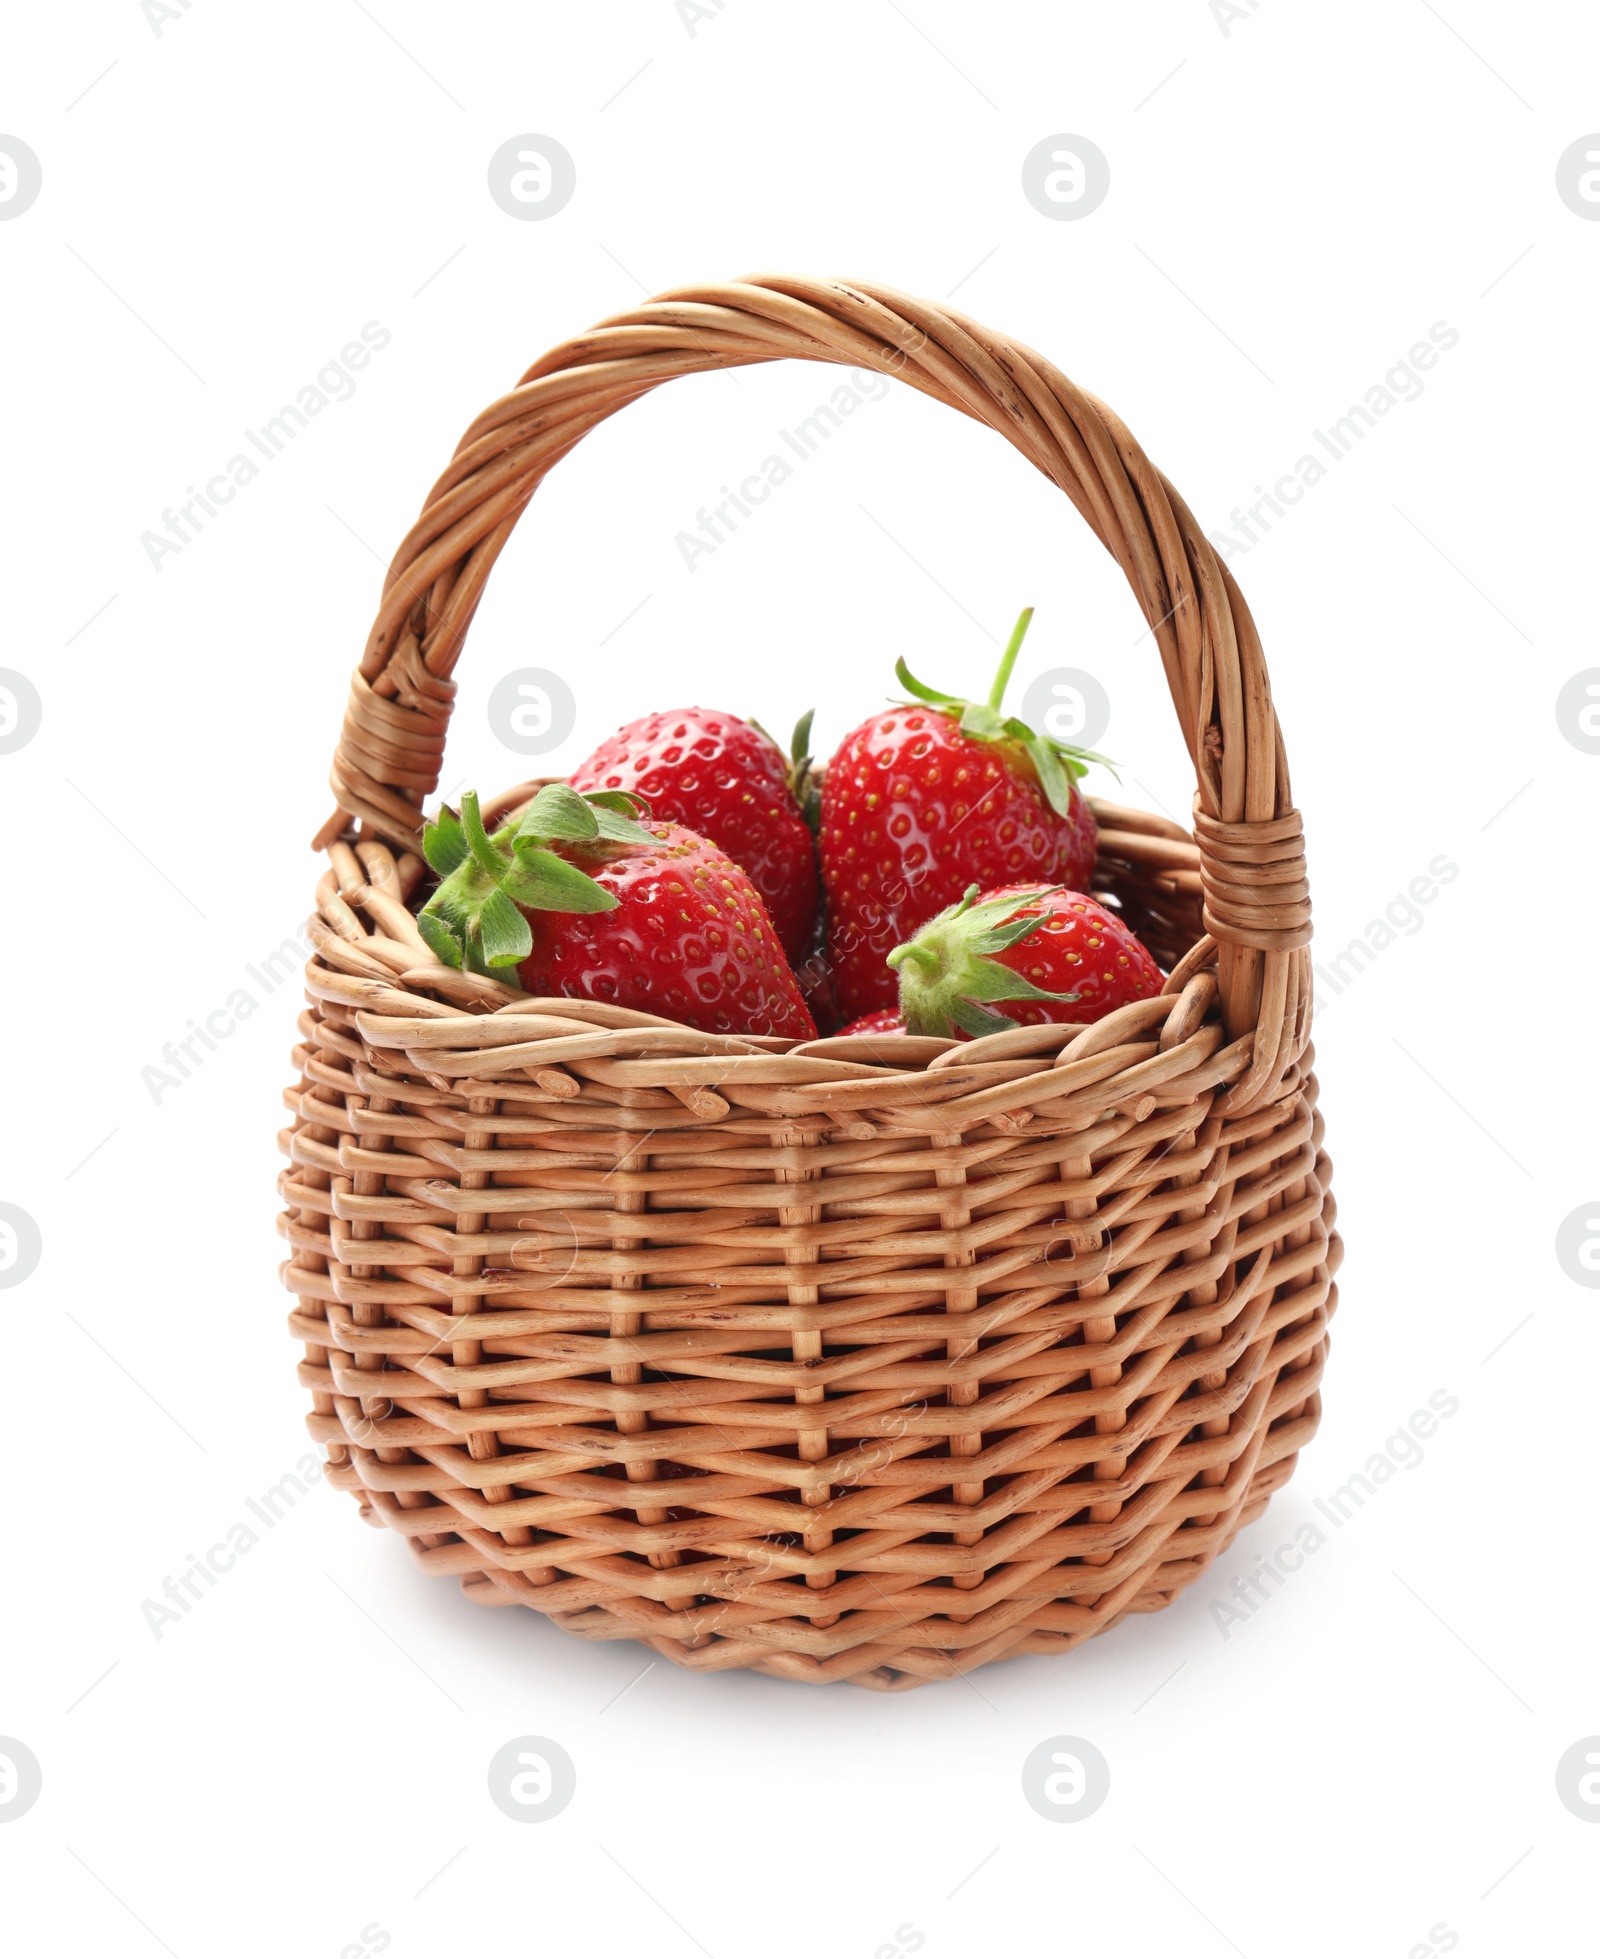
[(1256, 897)]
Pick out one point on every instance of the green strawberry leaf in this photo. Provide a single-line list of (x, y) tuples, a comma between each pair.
[(904, 675), (1001, 938), (622, 829), (444, 842), (623, 801), (989, 980), (476, 960), (545, 882), (560, 814), (616, 813), (1077, 760), (441, 941), (993, 911), (981, 720), (504, 933), (802, 775), (1002, 922), (457, 900), (972, 1019), (1053, 778)]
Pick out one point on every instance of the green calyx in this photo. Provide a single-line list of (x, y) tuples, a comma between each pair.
[(803, 784), (949, 969), (1056, 764), (473, 919)]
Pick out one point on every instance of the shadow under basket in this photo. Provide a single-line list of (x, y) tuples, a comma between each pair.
[(867, 1360)]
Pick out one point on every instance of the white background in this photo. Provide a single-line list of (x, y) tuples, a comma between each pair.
[(299, 1765)]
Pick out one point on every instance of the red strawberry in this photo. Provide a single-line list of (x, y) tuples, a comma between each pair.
[(815, 977), (883, 1020), (1049, 953), (588, 903), (923, 800), (727, 780)]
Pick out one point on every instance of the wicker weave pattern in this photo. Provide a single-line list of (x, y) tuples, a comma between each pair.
[(930, 1352)]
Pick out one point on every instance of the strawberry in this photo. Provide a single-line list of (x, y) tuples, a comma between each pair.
[(923, 800), (727, 780), (815, 975), (587, 902), (1051, 953), (882, 1020)]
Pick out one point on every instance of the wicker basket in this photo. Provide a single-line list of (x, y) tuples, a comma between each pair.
[(914, 1354)]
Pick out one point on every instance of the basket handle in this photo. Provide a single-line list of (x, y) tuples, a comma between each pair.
[(1257, 904)]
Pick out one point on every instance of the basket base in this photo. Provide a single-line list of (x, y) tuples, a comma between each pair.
[(866, 1666)]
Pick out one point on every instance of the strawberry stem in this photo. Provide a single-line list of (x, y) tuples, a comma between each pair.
[(1008, 659), (924, 955), (1056, 764), (478, 840)]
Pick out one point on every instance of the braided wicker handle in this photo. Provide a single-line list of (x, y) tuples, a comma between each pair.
[(1252, 859)]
